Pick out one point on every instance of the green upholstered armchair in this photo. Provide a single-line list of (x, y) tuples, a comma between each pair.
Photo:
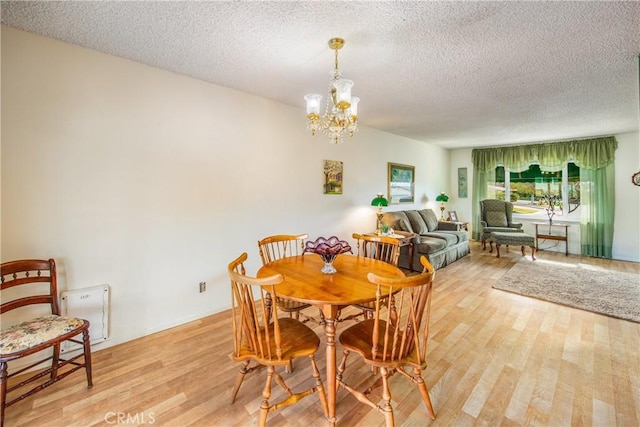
[(496, 215)]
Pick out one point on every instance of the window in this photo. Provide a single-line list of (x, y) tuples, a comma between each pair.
[(527, 190), (496, 189)]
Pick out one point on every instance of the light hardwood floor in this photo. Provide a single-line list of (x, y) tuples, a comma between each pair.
[(495, 359)]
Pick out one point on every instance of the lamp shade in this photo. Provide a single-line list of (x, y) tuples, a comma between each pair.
[(442, 197), (353, 110), (379, 201), (313, 103), (343, 93)]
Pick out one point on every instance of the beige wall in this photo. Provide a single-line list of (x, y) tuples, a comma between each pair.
[(151, 182), (626, 238)]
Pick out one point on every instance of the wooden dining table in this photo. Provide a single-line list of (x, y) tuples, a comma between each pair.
[(304, 282)]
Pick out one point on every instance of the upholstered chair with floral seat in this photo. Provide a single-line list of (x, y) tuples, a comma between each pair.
[(496, 215), (30, 301)]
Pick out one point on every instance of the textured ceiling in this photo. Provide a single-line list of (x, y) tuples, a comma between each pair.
[(456, 74)]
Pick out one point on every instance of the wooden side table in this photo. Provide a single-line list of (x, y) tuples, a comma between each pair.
[(404, 239), (551, 234)]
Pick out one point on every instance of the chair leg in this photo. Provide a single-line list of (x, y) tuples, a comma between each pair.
[(243, 371), (87, 357), (280, 381), (377, 383), (425, 393), (3, 390), (386, 409), (322, 321), (341, 367), (55, 360), (266, 394), (319, 386)]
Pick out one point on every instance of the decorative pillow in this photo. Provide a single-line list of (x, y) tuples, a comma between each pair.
[(417, 223), (497, 219), (430, 218), (397, 220), (400, 225)]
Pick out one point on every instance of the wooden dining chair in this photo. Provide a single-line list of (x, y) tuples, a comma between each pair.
[(382, 248), (280, 246), (268, 340), (27, 284), (395, 340)]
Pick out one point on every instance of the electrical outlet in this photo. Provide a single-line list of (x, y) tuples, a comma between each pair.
[(203, 286)]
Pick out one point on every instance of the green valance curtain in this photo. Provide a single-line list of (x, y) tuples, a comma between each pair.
[(595, 157), (593, 153)]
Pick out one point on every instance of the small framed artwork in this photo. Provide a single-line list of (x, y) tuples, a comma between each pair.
[(401, 183), (332, 170), (462, 183), (453, 216)]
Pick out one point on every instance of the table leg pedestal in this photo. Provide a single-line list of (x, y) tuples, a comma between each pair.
[(330, 314)]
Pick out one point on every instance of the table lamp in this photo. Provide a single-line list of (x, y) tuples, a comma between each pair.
[(442, 198), (379, 202)]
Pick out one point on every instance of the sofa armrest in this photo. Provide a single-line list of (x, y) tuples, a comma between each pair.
[(516, 225), (447, 226)]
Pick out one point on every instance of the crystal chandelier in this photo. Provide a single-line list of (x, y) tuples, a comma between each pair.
[(341, 110)]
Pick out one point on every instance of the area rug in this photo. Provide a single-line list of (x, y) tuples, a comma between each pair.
[(612, 293)]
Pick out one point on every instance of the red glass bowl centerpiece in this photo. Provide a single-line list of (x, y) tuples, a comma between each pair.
[(328, 249)]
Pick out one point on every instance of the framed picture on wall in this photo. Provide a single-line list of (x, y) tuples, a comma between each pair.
[(462, 183), (401, 183), (332, 170)]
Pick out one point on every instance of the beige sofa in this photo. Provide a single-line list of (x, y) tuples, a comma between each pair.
[(440, 242)]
